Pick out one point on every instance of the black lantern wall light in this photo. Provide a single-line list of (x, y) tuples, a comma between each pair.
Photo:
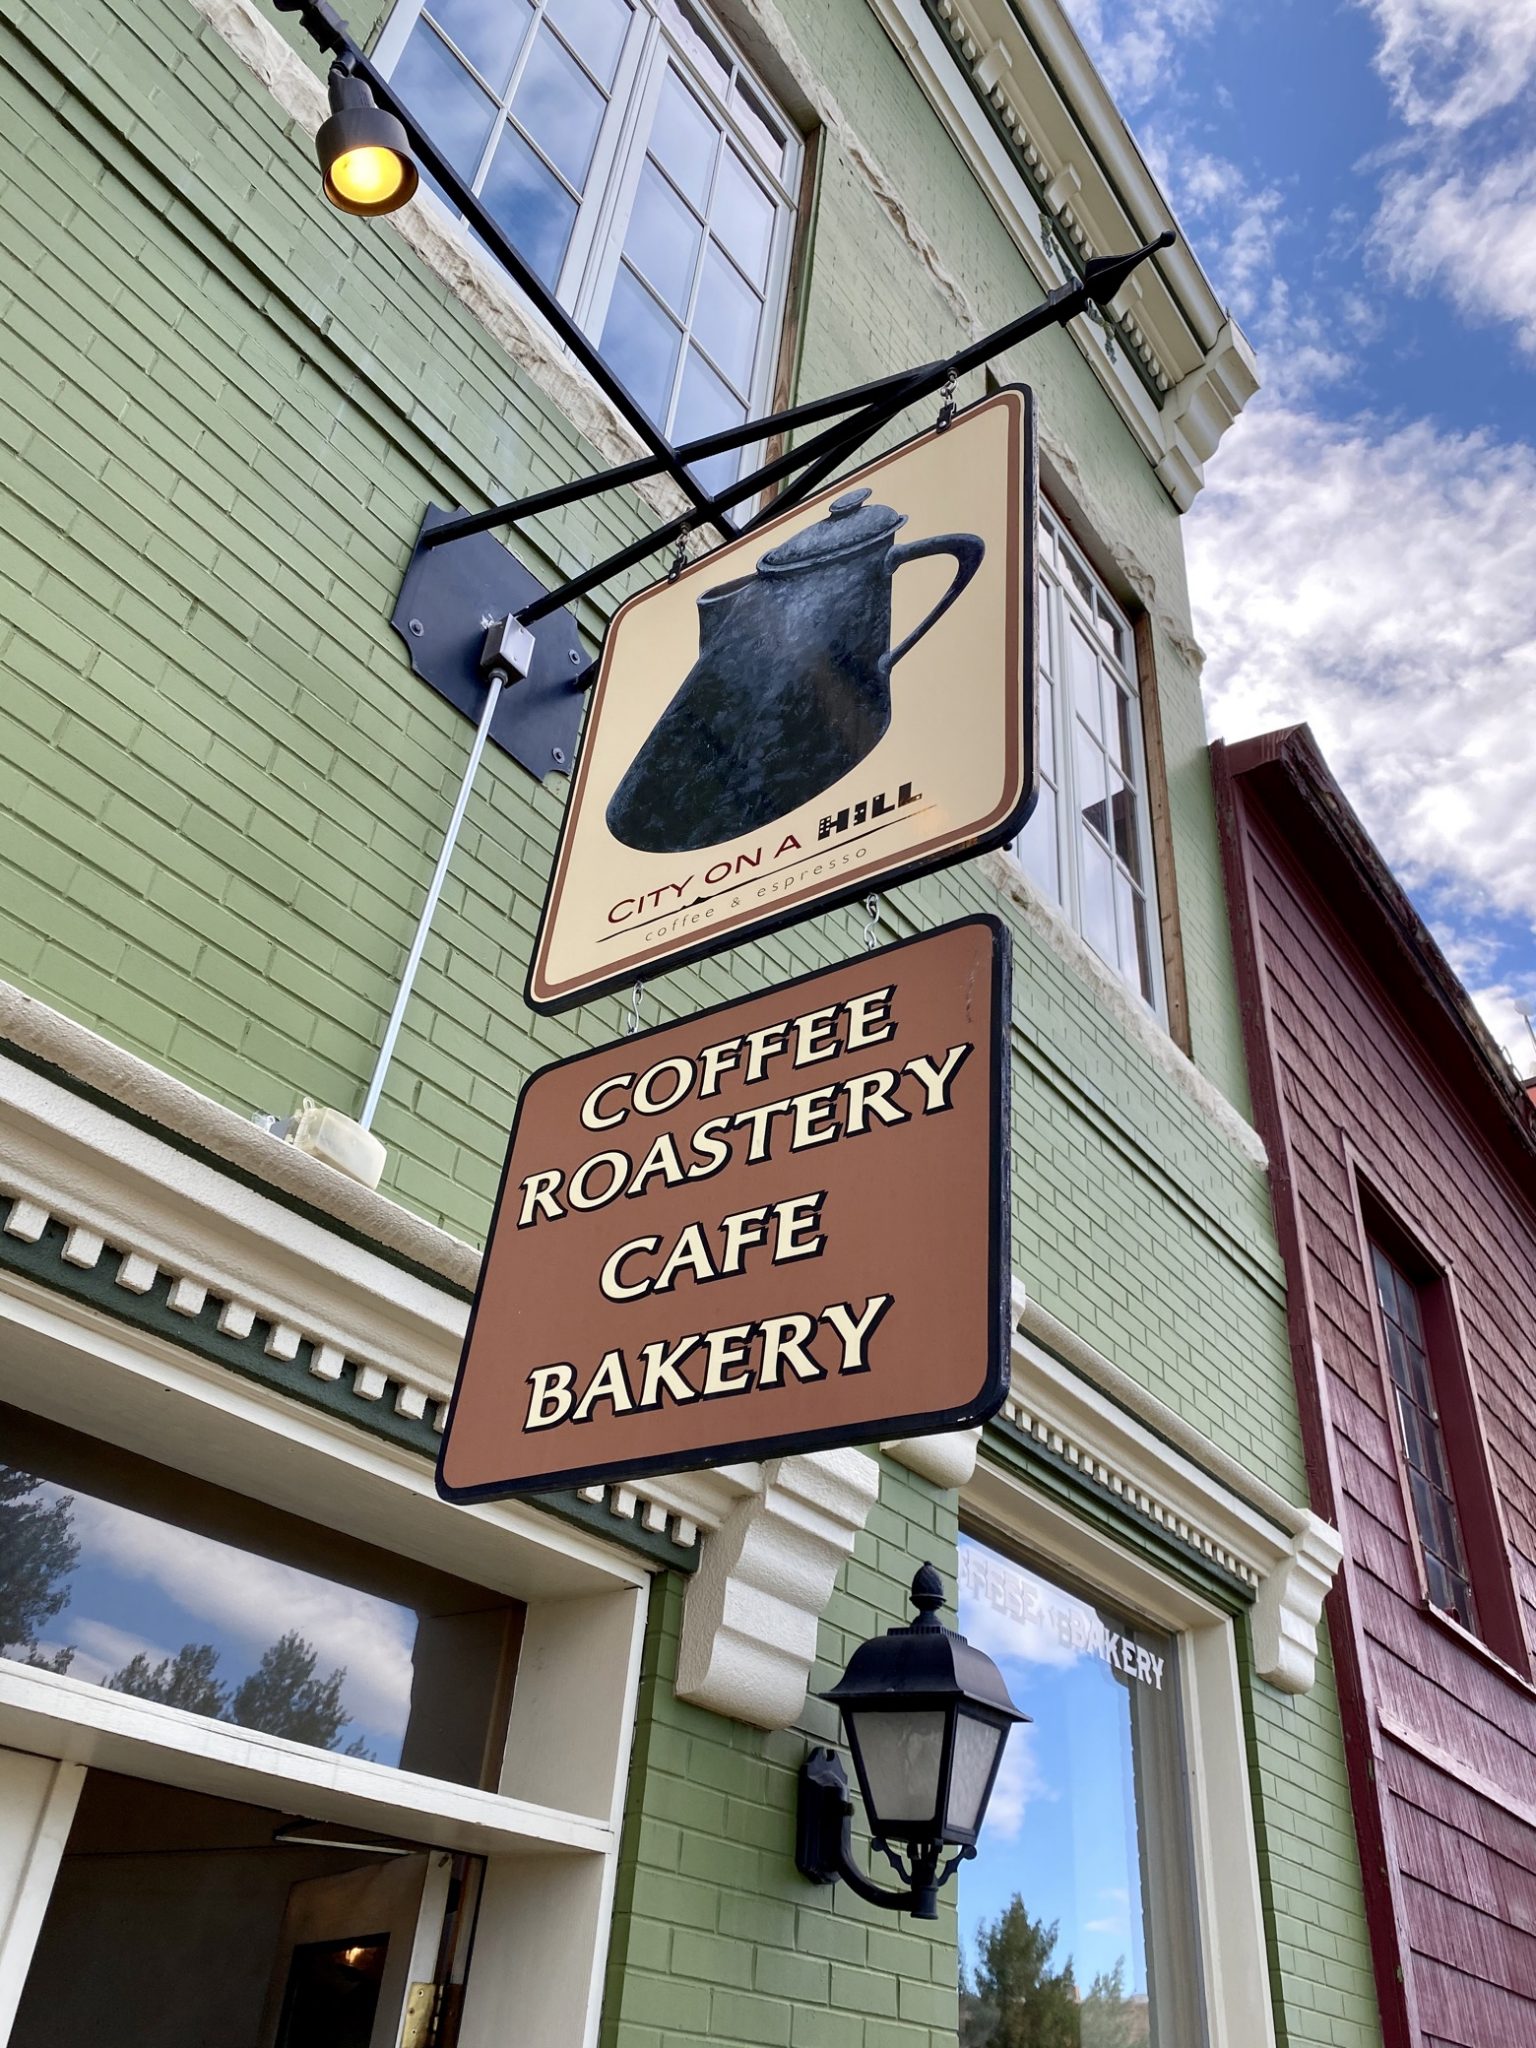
[(927, 1718)]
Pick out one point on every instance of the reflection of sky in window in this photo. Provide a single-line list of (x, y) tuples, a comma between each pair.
[(1061, 1827), (146, 1585)]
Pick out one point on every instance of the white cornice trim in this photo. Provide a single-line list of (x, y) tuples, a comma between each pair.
[(141, 1090), (1097, 194), (1151, 1460), (946, 1461), (144, 1209)]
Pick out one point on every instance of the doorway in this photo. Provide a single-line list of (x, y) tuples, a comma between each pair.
[(178, 1920)]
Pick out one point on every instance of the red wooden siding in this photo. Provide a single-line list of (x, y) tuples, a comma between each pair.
[(1350, 1094)]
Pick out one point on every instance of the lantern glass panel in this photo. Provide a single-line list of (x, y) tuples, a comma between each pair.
[(976, 1747), (900, 1753)]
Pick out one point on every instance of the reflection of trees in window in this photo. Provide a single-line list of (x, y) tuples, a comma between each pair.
[(282, 1696), (38, 1551), (185, 1680), (1014, 1999)]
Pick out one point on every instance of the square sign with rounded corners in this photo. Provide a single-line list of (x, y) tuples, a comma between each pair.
[(835, 703), (777, 1226)]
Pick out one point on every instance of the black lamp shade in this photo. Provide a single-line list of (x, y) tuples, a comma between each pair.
[(926, 1715), (364, 153)]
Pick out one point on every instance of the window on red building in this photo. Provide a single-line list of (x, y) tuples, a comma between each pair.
[(1424, 1448), (1455, 1512)]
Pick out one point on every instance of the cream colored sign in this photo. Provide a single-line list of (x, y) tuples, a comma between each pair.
[(841, 700)]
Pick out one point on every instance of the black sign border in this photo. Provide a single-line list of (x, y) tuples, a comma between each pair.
[(705, 947), (994, 1389)]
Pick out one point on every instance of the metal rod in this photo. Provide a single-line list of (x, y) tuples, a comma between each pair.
[(649, 465), (824, 452), (815, 473), (839, 441), (429, 907), (543, 501), (329, 32)]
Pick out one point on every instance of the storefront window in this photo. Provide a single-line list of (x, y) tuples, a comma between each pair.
[(133, 1576), (1077, 1916)]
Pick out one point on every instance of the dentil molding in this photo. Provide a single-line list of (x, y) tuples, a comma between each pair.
[(1118, 1437)]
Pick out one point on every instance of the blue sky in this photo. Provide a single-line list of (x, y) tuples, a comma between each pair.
[(1359, 180)]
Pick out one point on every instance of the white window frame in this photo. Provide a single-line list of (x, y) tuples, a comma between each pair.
[(591, 265), (1061, 603), (550, 1832), (1001, 1509)]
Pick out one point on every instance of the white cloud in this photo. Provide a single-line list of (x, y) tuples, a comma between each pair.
[(1018, 1618), (100, 1649), (1238, 227), (1019, 1783), (1449, 63), (1137, 55), (1507, 1006), (1472, 233), (255, 1600), (1377, 582)]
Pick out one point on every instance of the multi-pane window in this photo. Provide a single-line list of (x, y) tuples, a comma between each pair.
[(1088, 844), (1424, 1446), (638, 167)]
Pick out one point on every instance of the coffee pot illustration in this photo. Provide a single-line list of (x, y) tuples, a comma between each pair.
[(792, 686)]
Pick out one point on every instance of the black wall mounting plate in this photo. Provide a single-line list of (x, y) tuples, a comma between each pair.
[(449, 596)]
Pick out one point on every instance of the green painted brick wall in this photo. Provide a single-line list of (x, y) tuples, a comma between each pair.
[(1309, 1866), (230, 789), (716, 1938), (223, 792)]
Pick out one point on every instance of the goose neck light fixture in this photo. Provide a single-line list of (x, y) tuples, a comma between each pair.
[(926, 1716), (365, 155)]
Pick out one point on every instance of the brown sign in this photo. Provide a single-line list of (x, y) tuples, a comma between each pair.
[(842, 699), (779, 1225)]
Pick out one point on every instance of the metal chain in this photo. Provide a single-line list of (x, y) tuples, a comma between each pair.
[(871, 931), (631, 1022), (679, 557), (946, 404)]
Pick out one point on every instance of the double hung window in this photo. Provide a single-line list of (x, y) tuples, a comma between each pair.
[(1088, 845), (1453, 1508), (638, 167), (1430, 1486)]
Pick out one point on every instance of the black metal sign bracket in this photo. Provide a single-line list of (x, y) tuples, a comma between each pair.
[(457, 614), (536, 722), (859, 413)]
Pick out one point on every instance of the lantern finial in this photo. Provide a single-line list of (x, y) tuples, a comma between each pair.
[(927, 1596)]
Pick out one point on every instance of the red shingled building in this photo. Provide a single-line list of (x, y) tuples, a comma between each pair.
[(1403, 1156)]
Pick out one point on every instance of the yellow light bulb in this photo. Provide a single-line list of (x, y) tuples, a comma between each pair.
[(367, 176)]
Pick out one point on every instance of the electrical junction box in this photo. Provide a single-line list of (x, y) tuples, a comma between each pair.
[(338, 1142)]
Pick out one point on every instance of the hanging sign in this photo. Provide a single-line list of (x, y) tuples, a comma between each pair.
[(840, 701), (780, 1225)]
